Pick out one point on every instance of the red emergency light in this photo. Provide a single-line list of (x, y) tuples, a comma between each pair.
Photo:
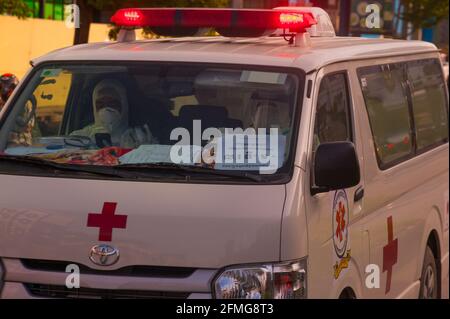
[(227, 22)]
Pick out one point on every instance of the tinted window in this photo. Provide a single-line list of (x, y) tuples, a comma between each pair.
[(137, 113), (429, 102), (333, 120), (385, 94)]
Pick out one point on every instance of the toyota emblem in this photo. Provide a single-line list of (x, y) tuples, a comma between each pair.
[(104, 255)]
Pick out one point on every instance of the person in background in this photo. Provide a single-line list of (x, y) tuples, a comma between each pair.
[(8, 83), (444, 60)]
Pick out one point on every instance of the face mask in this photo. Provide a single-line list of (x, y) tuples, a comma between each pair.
[(109, 118)]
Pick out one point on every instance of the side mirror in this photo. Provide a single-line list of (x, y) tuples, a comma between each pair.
[(336, 166)]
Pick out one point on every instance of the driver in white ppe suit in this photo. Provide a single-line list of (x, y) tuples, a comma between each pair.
[(111, 111)]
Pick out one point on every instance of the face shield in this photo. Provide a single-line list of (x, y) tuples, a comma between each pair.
[(110, 106)]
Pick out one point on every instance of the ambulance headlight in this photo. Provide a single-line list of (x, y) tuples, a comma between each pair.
[(268, 281)]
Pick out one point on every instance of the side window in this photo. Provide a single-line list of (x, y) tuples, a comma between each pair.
[(429, 102), (333, 119), (43, 112), (51, 97), (384, 90)]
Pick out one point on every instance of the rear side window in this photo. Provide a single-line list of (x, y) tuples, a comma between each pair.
[(407, 107), (385, 94), (429, 102)]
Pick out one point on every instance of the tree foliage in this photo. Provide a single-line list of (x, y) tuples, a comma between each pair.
[(16, 8), (424, 13), (115, 4)]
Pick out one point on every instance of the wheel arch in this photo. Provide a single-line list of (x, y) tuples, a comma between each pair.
[(351, 281), (348, 293), (434, 243), (432, 238)]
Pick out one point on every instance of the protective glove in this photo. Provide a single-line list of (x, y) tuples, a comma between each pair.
[(134, 137)]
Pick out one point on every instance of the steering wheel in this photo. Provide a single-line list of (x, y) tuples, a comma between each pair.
[(77, 141)]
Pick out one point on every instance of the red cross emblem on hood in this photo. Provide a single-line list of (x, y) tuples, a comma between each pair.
[(107, 221)]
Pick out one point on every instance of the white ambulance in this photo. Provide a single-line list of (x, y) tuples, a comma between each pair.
[(274, 160)]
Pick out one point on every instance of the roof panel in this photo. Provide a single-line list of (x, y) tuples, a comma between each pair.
[(256, 51)]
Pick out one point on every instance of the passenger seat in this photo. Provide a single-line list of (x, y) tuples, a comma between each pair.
[(210, 116)]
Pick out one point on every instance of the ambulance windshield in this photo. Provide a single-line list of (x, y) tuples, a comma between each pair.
[(219, 118)]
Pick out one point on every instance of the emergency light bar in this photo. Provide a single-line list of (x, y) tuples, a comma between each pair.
[(227, 22)]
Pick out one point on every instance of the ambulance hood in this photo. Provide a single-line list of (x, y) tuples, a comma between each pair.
[(166, 224)]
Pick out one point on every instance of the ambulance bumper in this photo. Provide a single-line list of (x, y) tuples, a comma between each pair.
[(24, 283)]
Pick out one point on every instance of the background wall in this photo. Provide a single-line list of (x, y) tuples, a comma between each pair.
[(23, 40)]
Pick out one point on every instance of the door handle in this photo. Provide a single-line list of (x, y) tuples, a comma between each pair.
[(359, 194)]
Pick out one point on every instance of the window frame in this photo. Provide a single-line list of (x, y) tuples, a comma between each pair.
[(349, 100), (410, 91), (352, 124), (285, 173), (409, 99)]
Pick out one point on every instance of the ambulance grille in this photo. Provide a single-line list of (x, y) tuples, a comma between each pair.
[(54, 291), (138, 271)]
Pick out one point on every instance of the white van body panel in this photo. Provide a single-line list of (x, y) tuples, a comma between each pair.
[(46, 218), (413, 193), (319, 212), (294, 234)]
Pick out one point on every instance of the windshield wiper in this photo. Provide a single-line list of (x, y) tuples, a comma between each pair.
[(189, 170), (42, 163), (127, 171)]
